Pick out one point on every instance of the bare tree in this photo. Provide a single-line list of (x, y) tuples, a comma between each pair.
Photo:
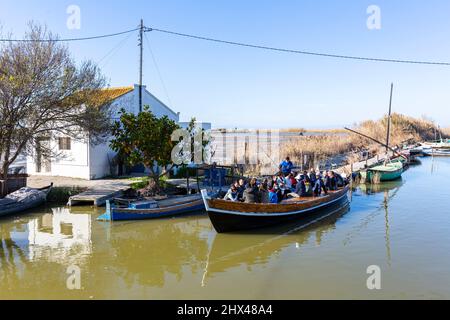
[(42, 92)]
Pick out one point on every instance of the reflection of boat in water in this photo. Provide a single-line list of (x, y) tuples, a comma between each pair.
[(150, 252), (250, 248), (382, 187), (228, 216)]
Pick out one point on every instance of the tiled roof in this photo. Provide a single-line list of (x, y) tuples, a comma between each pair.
[(108, 95)]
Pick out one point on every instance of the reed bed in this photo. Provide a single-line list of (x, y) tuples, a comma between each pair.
[(404, 129)]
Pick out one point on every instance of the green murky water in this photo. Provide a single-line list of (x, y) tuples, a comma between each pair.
[(402, 227)]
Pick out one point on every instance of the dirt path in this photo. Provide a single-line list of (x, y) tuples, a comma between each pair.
[(42, 181)]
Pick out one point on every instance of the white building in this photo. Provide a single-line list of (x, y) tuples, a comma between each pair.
[(81, 159), (207, 126)]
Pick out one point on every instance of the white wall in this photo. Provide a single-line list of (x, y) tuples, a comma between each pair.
[(87, 161), (73, 163)]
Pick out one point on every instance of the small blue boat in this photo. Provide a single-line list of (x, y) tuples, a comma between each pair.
[(150, 209)]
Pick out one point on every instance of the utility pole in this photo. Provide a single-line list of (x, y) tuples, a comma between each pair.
[(389, 120), (141, 45)]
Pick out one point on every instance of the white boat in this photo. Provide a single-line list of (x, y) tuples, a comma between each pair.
[(423, 150), (441, 152), (23, 199), (439, 144)]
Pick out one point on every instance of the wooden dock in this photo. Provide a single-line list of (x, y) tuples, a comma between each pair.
[(98, 195)]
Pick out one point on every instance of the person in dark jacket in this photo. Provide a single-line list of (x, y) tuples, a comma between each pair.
[(326, 179), (331, 182), (300, 189), (339, 180), (240, 189), (251, 193), (312, 177), (319, 186), (264, 193)]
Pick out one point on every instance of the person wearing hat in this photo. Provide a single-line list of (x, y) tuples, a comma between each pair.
[(300, 189)]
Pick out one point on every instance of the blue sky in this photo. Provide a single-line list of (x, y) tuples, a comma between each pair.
[(241, 87)]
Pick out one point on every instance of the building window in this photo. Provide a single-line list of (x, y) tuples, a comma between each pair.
[(64, 143)]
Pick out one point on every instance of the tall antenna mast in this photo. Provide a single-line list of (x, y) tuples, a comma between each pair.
[(389, 119), (141, 45)]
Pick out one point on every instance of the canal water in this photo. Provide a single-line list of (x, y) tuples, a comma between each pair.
[(403, 228)]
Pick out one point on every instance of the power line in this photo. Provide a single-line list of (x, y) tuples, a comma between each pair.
[(328, 55), (113, 51), (71, 39), (159, 72)]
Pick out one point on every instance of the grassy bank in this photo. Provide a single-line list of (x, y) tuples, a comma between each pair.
[(62, 194), (316, 148)]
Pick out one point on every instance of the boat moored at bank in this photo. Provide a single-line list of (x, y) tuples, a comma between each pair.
[(229, 216), (24, 199), (151, 209)]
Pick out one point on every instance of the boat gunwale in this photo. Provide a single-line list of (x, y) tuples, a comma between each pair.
[(209, 204), (155, 210)]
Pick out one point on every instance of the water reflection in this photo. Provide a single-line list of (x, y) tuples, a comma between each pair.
[(384, 187), (174, 258), (32, 248), (60, 237), (147, 252), (229, 251), (389, 191)]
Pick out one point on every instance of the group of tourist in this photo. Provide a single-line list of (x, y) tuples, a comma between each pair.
[(286, 184)]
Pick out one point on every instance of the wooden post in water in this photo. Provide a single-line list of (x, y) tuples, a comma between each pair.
[(247, 155), (303, 160), (188, 187)]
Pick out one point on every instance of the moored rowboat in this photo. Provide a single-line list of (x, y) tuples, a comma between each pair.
[(228, 216), (23, 199), (389, 172), (153, 209)]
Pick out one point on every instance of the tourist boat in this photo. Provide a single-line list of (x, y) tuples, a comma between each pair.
[(228, 216), (386, 172), (151, 209), (23, 199)]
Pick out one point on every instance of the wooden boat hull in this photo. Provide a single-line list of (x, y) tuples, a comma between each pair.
[(229, 216), (21, 207), (388, 172), (384, 175), (129, 214)]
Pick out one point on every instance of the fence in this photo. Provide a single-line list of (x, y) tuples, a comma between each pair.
[(14, 183)]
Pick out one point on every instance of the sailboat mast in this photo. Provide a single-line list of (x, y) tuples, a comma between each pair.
[(389, 120)]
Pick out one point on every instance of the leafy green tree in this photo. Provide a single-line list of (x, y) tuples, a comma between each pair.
[(145, 139)]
